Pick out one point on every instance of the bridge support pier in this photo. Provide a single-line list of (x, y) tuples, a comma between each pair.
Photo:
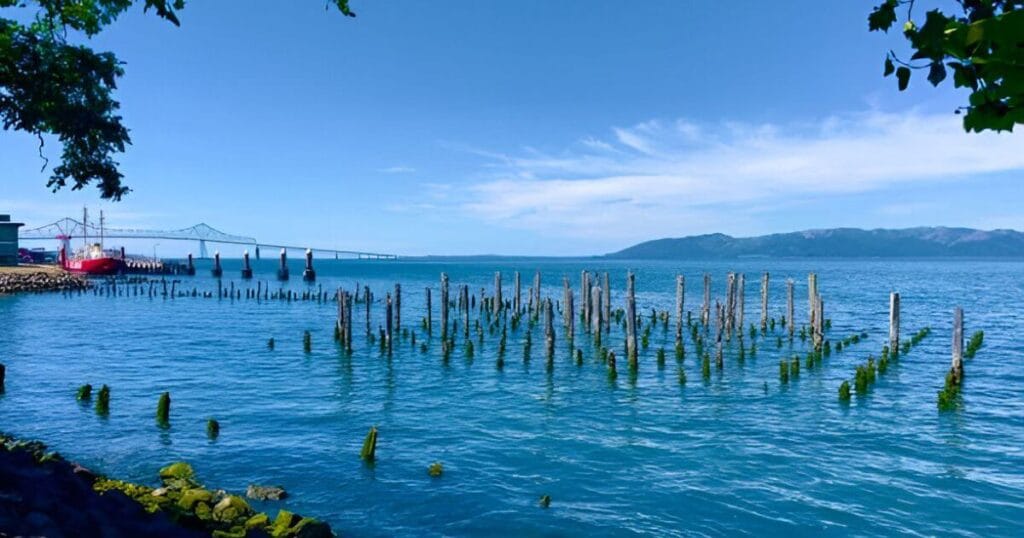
[(203, 254), (309, 275), (282, 270), (246, 268)]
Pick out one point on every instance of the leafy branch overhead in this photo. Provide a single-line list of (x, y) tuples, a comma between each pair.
[(983, 46), (50, 87)]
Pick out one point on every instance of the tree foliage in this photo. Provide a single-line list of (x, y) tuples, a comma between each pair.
[(49, 86), (983, 46)]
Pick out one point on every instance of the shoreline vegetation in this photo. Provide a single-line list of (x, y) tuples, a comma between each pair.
[(42, 494)]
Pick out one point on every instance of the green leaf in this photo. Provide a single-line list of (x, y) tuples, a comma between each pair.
[(937, 73), (889, 68), (883, 16), (903, 77)]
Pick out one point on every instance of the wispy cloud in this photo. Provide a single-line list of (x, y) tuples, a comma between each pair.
[(671, 177), (397, 170)]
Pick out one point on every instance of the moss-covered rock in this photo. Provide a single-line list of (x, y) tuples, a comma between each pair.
[(190, 497), (230, 508), (177, 470)]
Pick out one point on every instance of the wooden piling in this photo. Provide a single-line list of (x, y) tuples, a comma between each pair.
[(430, 321), (764, 301), (789, 307), (585, 299), (570, 315), (680, 295), (499, 304), (517, 300), (631, 348), (549, 330), (398, 307), (729, 308), (606, 303), (444, 306), (741, 293), (957, 367), (536, 291), (705, 311), (812, 294), (595, 314), (894, 323), (217, 270), (465, 310), (388, 320), (368, 299)]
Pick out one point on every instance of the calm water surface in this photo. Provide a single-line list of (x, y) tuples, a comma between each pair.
[(738, 453)]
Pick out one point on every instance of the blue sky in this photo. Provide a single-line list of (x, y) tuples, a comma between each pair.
[(528, 127)]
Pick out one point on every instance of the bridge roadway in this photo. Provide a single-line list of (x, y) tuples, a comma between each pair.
[(203, 233)]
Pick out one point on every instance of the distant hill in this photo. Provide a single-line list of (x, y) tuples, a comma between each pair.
[(837, 243)]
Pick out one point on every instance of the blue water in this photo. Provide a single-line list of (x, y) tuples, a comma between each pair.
[(640, 456)]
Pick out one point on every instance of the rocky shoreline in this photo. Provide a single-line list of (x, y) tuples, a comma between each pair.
[(41, 494), (39, 279)]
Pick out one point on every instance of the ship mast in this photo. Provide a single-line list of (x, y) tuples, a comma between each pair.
[(85, 226), (101, 230)]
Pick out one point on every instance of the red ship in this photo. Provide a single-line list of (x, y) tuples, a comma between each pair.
[(92, 260)]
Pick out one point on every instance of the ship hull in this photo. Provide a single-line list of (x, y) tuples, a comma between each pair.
[(96, 266)]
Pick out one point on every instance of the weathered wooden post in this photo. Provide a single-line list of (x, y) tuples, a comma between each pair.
[(499, 304), (536, 292), (348, 322), (585, 299), (217, 270), (956, 370), (719, 327), (680, 294), (894, 323), (282, 270), (257, 249), (368, 299), (430, 320), (465, 310), (549, 330), (388, 320), (606, 303), (730, 304), (191, 269), (789, 307), (3, 376), (570, 315), (339, 328), (246, 267), (517, 300), (741, 290), (398, 308), (309, 275), (595, 314), (812, 294), (819, 322), (631, 349), (705, 310), (444, 307), (764, 301)]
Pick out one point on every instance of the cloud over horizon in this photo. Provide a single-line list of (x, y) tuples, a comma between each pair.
[(678, 177)]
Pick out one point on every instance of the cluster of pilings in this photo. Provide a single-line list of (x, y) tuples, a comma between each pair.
[(468, 316)]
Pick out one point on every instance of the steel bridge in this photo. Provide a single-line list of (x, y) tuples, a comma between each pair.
[(70, 228)]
